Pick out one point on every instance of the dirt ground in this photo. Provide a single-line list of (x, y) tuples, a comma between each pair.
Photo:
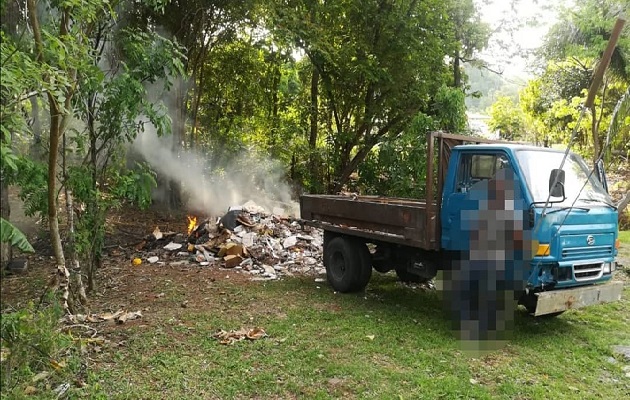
[(120, 283)]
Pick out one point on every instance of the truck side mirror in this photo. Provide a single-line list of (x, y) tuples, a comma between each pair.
[(601, 174), (556, 183)]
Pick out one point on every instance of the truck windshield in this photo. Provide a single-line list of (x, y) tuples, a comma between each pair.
[(537, 165)]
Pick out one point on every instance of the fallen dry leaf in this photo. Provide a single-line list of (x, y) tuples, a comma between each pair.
[(232, 337), (40, 376), (256, 333), (5, 352), (157, 234), (334, 381), (58, 365), (128, 317), (30, 390)]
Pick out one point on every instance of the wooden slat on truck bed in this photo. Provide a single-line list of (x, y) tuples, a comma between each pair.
[(379, 218)]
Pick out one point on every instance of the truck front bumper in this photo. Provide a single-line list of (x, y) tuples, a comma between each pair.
[(566, 299)]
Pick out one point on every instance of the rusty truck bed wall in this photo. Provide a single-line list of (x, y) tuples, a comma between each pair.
[(404, 221), (378, 218)]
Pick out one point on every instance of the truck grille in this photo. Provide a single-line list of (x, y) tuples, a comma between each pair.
[(574, 253), (585, 272)]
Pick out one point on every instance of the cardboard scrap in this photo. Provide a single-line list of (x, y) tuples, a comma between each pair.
[(232, 261)]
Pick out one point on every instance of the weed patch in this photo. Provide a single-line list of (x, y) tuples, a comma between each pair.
[(36, 355)]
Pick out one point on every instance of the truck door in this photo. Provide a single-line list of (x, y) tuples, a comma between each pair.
[(473, 169)]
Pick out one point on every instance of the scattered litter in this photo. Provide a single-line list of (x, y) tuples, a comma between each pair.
[(128, 317), (265, 245), (137, 261), (120, 317), (253, 208), (289, 242), (232, 337), (61, 389), (232, 261), (173, 246), (371, 337)]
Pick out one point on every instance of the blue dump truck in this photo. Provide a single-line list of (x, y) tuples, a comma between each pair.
[(564, 225)]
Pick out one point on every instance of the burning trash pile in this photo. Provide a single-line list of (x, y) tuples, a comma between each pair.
[(249, 238)]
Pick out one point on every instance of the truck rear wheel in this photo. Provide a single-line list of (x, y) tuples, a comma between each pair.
[(347, 264), (366, 264)]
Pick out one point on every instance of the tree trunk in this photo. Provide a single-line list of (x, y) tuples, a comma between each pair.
[(351, 167), (75, 273), (457, 73), (11, 17), (6, 251), (53, 222), (36, 146), (179, 131), (195, 127), (275, 106), (312, 140), (58, 122), (93, 256)]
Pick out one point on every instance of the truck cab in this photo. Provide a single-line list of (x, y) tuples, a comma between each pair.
[(573, 230)]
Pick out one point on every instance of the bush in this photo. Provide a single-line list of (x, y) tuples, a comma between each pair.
[(31, 343)]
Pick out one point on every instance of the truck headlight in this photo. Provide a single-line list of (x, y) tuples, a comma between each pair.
[(609, 267)]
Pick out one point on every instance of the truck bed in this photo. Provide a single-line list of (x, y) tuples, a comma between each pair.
[(387, 219)]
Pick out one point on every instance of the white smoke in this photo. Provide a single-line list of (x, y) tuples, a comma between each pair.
[(211, 189)]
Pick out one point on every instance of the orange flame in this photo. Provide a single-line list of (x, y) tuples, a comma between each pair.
[(192, 223)]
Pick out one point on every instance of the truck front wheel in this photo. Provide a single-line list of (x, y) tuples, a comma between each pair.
[(346, 263)]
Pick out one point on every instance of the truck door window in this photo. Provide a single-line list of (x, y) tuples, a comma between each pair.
[(474, 168)]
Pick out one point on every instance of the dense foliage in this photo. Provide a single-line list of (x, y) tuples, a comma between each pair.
[(571, 52)]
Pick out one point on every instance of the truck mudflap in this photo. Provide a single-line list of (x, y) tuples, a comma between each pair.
[(568, 299)]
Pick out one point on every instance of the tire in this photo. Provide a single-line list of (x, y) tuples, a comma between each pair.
[(345, 263), (366, 264)]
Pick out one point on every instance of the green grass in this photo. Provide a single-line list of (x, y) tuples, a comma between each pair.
[(318, 347), (391, 342)]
